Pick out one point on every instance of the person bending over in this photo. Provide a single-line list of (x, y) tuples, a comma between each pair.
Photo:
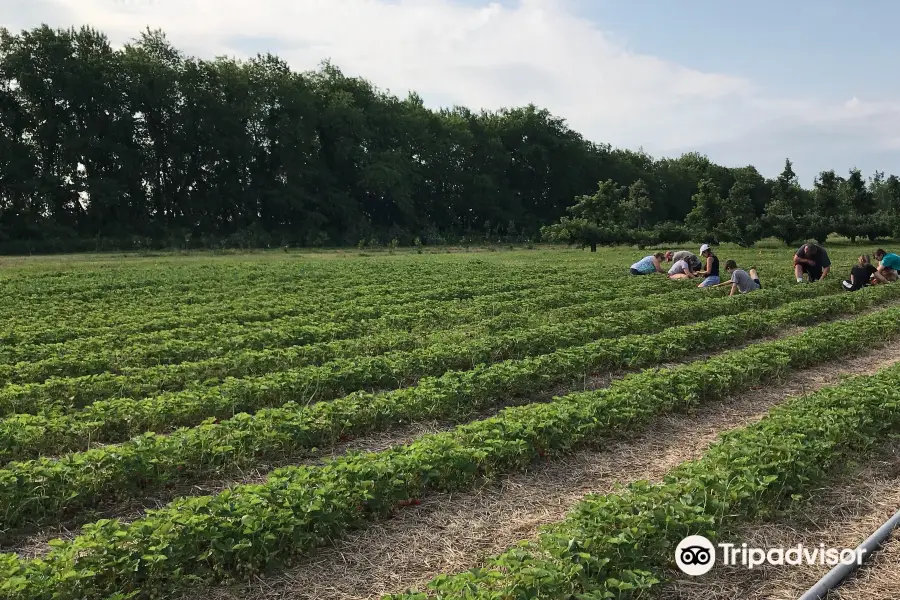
[(813, 260), (648, 264), (862, 274), (741, 281), (681, 270), (889, 264), (711, 271), (687, 256)]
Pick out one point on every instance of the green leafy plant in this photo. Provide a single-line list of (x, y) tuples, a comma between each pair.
[(249, 528)]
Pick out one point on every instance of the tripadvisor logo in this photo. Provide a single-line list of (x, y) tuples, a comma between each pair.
[(695, 555)]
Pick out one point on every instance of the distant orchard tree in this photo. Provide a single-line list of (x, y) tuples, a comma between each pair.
[(704, 219), (739, 221)]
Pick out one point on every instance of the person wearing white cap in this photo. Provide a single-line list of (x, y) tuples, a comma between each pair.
[(711, 272)]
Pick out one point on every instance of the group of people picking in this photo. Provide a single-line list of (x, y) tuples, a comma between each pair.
[(865, 273), (810, 260), (687, 265)]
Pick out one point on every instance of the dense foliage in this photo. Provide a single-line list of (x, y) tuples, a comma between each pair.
[(182, 383), (618, 545), (248, 528), (143, 146), (212, 447), (740, 207)]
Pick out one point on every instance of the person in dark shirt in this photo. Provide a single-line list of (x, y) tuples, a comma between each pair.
[(862, 273), (813, 260), (711, 271)]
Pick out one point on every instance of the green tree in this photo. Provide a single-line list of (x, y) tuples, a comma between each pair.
[(859, 208), (827, 207), (705, 218), (594, 219), (637, 206), (740, 224), (144, 146), (885, 194), (601, 207), (785, 211)]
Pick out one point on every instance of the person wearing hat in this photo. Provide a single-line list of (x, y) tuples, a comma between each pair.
[(711, 270)]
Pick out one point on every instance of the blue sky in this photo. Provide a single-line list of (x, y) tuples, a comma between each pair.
[(831, 47), (745, 83)]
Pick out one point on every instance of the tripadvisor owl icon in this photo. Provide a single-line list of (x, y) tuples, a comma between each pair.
[(695, 555)]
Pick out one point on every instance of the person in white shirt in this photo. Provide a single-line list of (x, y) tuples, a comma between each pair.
[(681, 270), (693, 262)]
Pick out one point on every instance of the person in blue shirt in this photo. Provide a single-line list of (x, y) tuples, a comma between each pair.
[(649, 264), (890, 264)]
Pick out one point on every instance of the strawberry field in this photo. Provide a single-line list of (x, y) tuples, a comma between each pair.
[(187, 425)]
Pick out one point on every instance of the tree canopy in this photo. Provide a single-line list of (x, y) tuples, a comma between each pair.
[(143, 146)]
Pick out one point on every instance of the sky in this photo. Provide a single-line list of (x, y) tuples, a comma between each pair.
[(742, 82)]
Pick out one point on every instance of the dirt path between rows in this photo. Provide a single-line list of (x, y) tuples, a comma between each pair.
[(841, 515), (451, 533)]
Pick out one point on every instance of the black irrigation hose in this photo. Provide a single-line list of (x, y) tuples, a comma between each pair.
[(839, 573)]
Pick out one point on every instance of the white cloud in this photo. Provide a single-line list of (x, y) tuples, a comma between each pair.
[(491, 56)]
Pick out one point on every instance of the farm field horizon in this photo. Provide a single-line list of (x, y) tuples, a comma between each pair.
[(361, 424)]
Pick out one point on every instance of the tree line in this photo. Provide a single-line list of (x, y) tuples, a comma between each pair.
[(143, 146), (740, 207)]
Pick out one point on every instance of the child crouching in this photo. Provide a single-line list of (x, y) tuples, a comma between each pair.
[(861, 275), (741, 280)]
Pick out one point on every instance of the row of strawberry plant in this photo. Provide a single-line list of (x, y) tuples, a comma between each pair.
[(176, 277), (61, 321), (248, 528), (247, 307), (90, 356), (308, 312), (123, 321), (193, 342), (62, 312), (619, 545), (47, 433), (90, 296), (83, 480), (93, 292), (77, 392)]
